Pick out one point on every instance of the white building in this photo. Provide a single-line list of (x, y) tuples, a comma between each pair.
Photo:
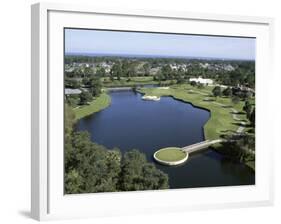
[(68, 91), (202, 81)]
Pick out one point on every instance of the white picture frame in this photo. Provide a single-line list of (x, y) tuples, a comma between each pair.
[(48, 201)]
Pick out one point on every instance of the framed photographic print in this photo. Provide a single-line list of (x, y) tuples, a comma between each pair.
[(148, 111)]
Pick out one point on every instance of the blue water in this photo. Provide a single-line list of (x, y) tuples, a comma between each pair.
[(132, 123)]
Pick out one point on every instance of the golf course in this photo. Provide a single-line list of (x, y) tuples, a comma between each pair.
[(222, 120)]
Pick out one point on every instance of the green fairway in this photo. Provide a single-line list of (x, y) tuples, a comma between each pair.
[(96, 105), (171, 154), (221, 119)]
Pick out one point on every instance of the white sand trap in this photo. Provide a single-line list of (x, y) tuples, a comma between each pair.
[(154, 98), (167, 87)]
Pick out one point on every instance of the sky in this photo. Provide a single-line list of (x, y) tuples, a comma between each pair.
[(81, 41)]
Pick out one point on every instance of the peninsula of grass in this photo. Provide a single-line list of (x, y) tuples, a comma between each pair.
[(98, 104), (171, 156), (221, 119)]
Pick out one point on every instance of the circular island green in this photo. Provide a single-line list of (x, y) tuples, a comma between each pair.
[(171, 156)]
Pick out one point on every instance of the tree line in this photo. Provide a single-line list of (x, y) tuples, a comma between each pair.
[(241, 72)]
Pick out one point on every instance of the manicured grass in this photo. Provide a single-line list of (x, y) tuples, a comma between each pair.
[(96, 105), (221, 120), (171, 154)]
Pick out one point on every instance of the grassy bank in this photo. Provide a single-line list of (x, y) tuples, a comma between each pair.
[(221, 119), (94, 106)]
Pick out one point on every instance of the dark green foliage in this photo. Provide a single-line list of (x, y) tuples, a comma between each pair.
[(73, 100), (217, 91), (240, 148), (193, 83), (93, 168), (85, 97), (167, 72), (73, 182), (235, 99), (116, 70), (248, 109), (146, 69), (90, 167), (200, 86), (180, 80), (138, 174), (95, 87), (72, 83), (69, 119), (100, 72), (253, 117), (227, 92)]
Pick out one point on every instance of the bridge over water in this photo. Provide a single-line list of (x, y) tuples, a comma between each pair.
[(187, 149), (200, 145)]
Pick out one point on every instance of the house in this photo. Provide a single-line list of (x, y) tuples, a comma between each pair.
[(202, 81), (68, 91)]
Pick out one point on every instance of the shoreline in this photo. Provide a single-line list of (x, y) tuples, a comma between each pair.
[(91, 109), (250, 164), (96, 105)]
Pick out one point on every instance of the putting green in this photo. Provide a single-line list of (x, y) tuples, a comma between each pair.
[(171, 156)]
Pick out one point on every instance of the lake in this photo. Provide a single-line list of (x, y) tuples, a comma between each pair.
[(132, 123)]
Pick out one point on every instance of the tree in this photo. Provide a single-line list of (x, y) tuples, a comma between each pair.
[(166, 72), (146, 69), (159, 76), (180, 80), (95, 86), (227, 92), (138, 174), (90, 167), (69, 119), (235, 99), (73, 182), (248, 109), (253, 117), (85, 97), (73, 100), (200, 86), (100, 72), (72, 83), (248, 95), (217, 91), (88, 71), (239, 147), (116, 70), (193, 83)]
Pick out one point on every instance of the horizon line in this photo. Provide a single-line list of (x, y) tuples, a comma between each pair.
[(88, 54)]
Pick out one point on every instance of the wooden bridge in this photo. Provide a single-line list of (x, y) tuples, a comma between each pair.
[(200, 145)]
